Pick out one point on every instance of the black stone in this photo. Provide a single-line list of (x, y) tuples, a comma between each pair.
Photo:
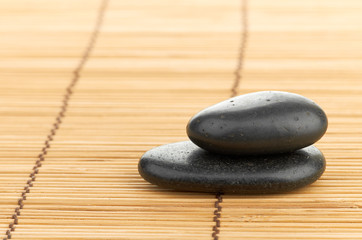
[(184, 166), (258, 123)]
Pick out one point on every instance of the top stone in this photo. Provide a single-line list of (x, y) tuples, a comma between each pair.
[(258, 123)]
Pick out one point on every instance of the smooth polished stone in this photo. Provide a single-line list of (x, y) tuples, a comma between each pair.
[(258, 123), (185, 166)]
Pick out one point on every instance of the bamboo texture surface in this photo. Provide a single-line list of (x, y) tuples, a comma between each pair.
[(151, 66)]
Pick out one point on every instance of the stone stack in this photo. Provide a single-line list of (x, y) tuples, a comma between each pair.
[(254, 143)]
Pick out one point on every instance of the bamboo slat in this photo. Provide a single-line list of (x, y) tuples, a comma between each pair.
[(153, 65)]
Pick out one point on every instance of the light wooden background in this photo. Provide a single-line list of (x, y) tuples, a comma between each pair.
[(154, 65)]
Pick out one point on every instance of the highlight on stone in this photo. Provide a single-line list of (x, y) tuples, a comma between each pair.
[(252, 144)]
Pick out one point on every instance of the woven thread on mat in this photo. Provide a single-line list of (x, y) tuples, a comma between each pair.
[(58, 119), (238, 74)]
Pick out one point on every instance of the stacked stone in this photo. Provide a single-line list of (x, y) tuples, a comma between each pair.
[(254, 143)]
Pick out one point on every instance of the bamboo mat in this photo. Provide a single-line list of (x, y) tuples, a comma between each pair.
[(87, 88)]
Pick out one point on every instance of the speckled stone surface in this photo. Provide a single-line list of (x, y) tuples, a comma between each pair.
[(258, 123), (184, 166)]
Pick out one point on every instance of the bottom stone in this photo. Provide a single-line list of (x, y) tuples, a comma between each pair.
[(185, 166)]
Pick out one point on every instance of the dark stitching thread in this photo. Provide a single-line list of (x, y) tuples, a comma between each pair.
[(234, 91), (217, 216), (244, 40), (58, 119)]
